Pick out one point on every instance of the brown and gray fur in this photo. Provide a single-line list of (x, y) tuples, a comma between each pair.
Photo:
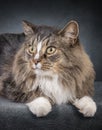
[(69, 61)]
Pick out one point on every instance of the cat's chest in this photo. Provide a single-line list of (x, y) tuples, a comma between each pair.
[(53, 89)]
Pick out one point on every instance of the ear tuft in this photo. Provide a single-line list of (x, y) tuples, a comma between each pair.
[(71, 30), (28, 27)]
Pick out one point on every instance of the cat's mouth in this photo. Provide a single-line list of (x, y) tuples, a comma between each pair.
[(38, 70), (37, 66)]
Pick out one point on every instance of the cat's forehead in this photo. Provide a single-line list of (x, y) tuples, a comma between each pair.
[(44, 35), (46, 40)]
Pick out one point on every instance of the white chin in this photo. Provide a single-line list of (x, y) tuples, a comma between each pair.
[(40, 72)]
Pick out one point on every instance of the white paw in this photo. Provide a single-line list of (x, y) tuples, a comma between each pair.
[(40, 106), (86, 106)]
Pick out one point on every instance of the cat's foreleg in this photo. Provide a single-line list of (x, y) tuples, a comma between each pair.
[(86, 106), (40, 106)]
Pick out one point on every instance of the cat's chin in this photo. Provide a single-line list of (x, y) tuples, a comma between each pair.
[(40, 72)]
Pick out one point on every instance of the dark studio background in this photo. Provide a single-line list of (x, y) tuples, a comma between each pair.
[(58, 13)]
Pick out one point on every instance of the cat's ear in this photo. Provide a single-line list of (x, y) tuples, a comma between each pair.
[(28, 27), (71, 30)]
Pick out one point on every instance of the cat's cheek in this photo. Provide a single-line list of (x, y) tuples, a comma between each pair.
[(40, 106)]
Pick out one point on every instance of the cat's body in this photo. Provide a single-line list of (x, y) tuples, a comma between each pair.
[(47, 66)]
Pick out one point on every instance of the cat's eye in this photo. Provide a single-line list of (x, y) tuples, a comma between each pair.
[(51, 50), (31, 50)]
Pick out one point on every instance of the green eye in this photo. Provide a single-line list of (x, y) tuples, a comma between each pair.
[(31, 50), (51, 50)]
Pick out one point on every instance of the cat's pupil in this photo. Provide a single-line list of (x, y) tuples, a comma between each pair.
[(31, 49), (51, 49)]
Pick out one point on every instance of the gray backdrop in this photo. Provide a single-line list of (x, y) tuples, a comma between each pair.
[(88, 13)]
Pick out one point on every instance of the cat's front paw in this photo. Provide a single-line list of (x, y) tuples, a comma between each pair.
[(86, 106), (40, 106)]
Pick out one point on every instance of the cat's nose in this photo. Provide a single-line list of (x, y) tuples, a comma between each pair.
[(36, 61)]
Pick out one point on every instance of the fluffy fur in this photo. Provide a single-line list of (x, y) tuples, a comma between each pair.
[(49, 66), (86, 106), (40, 106)]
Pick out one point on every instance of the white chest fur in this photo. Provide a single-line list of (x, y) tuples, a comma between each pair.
[(53, 89)]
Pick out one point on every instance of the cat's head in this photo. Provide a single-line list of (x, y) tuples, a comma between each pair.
[(48, 49)]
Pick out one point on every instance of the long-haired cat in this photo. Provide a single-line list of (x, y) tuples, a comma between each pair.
[(49, 67)]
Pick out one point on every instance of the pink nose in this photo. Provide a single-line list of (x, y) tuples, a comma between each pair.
[(36, 61)]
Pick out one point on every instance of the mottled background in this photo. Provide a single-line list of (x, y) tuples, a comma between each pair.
[(88, 13)]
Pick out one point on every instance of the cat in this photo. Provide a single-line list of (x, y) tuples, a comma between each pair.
[(45, 66)]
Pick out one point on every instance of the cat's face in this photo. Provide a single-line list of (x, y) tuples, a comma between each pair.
[(47, 49)]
